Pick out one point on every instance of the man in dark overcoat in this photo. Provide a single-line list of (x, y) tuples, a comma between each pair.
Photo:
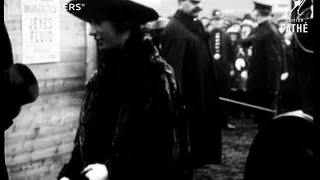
[(267, 64), (224, 55), (129, 122), (185, 47)]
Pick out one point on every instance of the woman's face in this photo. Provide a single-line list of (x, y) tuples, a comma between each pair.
[(233, 37), (107, 35), (245, 31)]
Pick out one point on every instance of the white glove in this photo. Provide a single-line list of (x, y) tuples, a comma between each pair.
[(96, 172), (64, 178), (244, 74), (240, 63), (284, 76)]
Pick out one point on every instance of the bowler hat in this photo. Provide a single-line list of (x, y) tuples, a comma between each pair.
[(118, 11), (21, 86)]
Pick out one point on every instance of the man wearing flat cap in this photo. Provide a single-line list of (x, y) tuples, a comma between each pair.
[(266, 66), (130, 125), (186, 48)]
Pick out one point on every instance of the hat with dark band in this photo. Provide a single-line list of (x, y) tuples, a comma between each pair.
[(118, 11)]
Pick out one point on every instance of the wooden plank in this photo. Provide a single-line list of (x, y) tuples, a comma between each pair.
[(59, 70), (73, 54)]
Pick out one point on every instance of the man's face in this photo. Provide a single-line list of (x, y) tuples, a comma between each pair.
[(205, 21), (233, 37), (107, 35), (191, 7), (217, 23), (255, 14)]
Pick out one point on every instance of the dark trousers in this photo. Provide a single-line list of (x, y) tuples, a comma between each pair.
[(264, 99), (224, 86)]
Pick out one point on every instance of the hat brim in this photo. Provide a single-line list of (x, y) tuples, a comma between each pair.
[(22, 81), (116, 11)]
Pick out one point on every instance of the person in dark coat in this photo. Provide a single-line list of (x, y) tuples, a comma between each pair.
[(6, 122), (185, 47), (284, 150), (289, 91), (131, 124), (19, 87), (303, 53), (223, 55), (266, 65)]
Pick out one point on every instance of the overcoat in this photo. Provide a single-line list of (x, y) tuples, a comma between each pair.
[(185, 47), (130, 117), (267, 63)]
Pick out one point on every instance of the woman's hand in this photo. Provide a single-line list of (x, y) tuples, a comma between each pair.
[(96, 172)]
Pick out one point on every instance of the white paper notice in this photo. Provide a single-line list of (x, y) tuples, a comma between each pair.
[(40, 31)]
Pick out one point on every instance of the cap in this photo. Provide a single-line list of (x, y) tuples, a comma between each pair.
[(216, 13), (247, 22), (247, 16), (262, 5)]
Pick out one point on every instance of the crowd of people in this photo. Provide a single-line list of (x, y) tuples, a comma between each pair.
[(232, 50), (153, 110)]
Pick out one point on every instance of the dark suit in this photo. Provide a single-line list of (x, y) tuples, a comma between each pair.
[(185, 47), (220, 45), (265, 69)]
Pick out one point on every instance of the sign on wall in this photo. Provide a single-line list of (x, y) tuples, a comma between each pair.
[(40, 31)]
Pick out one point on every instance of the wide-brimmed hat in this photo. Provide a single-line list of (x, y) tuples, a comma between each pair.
[(21, 85), (234, 29), (248, 22), (118, 11)]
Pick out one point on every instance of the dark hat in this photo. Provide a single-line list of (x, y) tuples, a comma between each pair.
[(216, 13), (118, 11), (261, 5), (247, 16), (20, 84)]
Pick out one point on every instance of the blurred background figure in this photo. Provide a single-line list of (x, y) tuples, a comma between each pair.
[(155, 29), (247, 26), (234, 33), (206, 23), (223, 54)]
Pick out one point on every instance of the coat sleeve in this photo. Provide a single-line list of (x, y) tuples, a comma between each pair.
[(74, 167), (231, 52), (173, 50), (167, 106), (284, 57)]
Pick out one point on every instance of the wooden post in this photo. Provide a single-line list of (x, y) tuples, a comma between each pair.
[(91, 53)]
